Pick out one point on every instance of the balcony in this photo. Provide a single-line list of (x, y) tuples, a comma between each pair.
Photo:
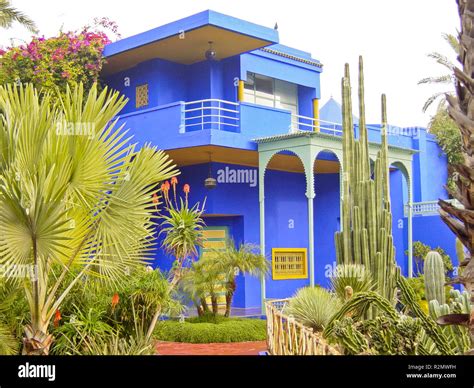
[(219, 122)]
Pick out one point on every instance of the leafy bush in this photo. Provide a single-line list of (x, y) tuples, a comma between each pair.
[(420, 250), (70, 57), (215, 329), (313, 307)]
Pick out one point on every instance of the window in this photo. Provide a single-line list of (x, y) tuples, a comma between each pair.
[(267, 91), (289, 263), (141, 96)]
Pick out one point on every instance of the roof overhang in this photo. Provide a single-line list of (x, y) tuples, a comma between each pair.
[(185, 41)]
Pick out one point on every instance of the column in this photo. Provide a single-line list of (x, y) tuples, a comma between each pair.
[(262, 165)]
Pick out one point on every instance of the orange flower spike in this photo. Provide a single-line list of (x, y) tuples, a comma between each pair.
[(155, 199), (186, 189), (115, 301), (57, 318), (174, 181)]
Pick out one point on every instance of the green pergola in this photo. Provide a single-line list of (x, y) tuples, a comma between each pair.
[(307, 146)]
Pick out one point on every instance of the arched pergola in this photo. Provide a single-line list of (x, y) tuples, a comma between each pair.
[(306, 146)]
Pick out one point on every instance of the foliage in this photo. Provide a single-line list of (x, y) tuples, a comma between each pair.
[(447, 135), (351, 275), (54, 63), (214, 329), (9, 15), (69, 199), (421, 250), (313, 307)]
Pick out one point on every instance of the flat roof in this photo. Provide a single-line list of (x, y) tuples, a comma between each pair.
[(186, 41)]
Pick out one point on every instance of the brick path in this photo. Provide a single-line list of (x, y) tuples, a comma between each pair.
[(224, 349)]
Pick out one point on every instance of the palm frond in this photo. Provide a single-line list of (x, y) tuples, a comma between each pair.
[(9, 15)]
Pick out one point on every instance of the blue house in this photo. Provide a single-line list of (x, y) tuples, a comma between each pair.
[(226, 100)]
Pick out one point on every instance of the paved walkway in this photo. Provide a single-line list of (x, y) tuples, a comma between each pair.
[(224, 349)]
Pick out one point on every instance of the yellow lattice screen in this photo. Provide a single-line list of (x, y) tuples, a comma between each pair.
[(289, 263), (141, 96)]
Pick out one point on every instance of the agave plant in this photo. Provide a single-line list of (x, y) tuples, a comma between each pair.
[(73, 191), (313, 307)]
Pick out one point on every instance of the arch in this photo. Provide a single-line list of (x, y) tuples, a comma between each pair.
[(405, 169)]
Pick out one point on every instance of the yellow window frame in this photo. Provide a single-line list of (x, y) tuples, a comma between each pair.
[(279, 274)]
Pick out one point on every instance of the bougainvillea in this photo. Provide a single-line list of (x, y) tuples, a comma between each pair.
[(70, 57)]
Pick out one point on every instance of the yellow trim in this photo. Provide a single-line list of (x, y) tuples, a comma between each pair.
[(278, 274), (240, 92), (316, 113)]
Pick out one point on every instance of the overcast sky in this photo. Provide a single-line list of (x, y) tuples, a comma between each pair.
[(394, 36)]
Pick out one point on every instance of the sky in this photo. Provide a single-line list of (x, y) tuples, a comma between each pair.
[(394, 37)]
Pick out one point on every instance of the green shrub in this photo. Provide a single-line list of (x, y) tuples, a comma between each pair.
[(203, 330), (313, 306)]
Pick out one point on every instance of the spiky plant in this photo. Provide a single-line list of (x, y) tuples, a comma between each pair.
[(71, 197), (355, 276), (313, 307), (461, 110)]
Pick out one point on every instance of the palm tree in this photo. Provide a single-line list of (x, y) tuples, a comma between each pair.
[(9, 15), (233, 260), (73, 191), (200, 281), (461, 110), (445, 78)]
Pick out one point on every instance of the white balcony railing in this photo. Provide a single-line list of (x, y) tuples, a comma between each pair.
[(305, 123), (211, 114), (429, 208)]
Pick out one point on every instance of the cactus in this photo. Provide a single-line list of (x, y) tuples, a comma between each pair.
[(434, 332), (366, 236), (434, 278)]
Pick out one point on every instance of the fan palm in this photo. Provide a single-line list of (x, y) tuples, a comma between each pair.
[(71, 199), (9, 15), (233, 260)]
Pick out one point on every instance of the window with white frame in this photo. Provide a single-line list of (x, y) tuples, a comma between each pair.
[(262, 90)]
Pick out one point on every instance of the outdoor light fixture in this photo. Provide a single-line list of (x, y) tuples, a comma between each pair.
[(211, 53), (210, 183)]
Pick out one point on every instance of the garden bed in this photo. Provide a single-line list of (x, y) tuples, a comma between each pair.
[(207, 330)]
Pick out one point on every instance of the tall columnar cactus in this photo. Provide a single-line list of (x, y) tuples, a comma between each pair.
[(434, 278), (366, 237)]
